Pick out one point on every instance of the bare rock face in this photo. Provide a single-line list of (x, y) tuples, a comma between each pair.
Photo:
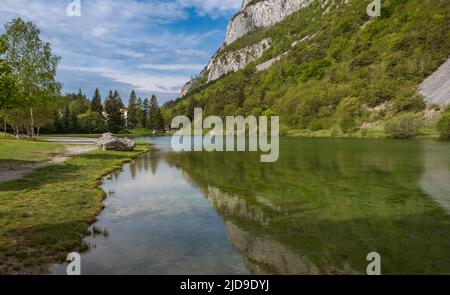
[(254, 14), (436, 88), (235, 60), (186, 88), (261, 14), (111, 143)]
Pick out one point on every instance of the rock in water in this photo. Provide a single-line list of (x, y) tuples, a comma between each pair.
[(111, 143)]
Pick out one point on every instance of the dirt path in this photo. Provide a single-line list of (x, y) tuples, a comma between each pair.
[(71, 151)]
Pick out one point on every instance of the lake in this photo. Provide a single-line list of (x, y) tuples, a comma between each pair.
[(320, 209)]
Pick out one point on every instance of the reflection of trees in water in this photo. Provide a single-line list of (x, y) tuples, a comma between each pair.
[(146, 162), (328, 204)]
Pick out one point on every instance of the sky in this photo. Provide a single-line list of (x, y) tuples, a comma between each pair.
[(152, 46)]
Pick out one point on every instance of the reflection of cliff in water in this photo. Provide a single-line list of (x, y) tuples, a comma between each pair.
[(262, 254), (325, 205), (436, 177)]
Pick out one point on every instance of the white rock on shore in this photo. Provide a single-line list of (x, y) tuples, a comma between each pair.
[(112, 143)]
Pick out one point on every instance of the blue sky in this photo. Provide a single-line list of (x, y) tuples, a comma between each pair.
[(152, 46)]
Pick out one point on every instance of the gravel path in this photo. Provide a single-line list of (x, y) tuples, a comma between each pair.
[(70, 152)]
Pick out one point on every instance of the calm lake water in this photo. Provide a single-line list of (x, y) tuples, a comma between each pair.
[(320, 209)]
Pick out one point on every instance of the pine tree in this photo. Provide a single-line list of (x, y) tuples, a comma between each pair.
[(140, 119), (132, 110), (155, 118), (113, 108), (145, 112), (96, 103)]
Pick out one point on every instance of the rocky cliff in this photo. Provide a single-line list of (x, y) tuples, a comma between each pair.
[(260, 14), (436, 88), (233, 61), (254, 14)]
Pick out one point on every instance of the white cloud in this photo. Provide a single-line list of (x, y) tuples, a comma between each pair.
[(138, 81), (135, 42)]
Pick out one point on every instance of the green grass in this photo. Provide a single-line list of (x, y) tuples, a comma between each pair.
[(45, 215), (14, 153), (138, 132)]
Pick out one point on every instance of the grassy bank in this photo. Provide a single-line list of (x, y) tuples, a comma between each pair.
[(374, 133), (45, 215), (15, 153)]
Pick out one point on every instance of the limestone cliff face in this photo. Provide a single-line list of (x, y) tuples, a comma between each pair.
[(261, 14), (253, 15), (235, 60)]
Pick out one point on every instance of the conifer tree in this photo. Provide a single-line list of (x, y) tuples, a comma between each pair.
[(132, 110), (155, 117), (96, 103), (113, 108)]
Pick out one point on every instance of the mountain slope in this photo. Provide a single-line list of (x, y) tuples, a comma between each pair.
[(326, 63)]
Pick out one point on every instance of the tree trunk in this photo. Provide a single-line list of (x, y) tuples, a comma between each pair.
[(32, 123), (38, 129)]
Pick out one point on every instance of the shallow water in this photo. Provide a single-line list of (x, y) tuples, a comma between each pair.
[(320, 209)]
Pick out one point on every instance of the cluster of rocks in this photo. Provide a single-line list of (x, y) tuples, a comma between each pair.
[(111, 143)]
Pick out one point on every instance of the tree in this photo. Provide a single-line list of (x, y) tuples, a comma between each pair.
[(96, 103), (145, 112), (33, 66), (132, 110), (405, 125), (8, 97), (91, 122), (443, 126), (155, 118), (113, 108), (140, 114)]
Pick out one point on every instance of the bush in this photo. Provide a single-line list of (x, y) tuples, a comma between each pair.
[(409, 104), (347, 123), (443, 126), (406, 125)]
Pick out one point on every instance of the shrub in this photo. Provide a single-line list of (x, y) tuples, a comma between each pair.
[(347, 123), (409, 104), (406, 125), (443, 126)]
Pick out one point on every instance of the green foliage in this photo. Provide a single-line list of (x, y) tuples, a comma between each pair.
[(155, 117), (96, 103), (413, 103), (347, 123), (376, 62), (7, 84), (113, 107), (32, 67), (443, 126), (91, 122), (132, 110), (405, 125)]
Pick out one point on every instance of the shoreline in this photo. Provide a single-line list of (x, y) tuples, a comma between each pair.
[(51, 209)]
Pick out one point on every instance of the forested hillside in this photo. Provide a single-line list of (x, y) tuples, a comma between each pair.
[(332, 67)]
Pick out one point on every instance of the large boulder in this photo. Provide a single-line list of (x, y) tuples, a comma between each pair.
[(111, 143)]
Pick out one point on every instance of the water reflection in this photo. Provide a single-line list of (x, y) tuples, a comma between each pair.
[(436, 177), (327, 203), (319, 210)]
